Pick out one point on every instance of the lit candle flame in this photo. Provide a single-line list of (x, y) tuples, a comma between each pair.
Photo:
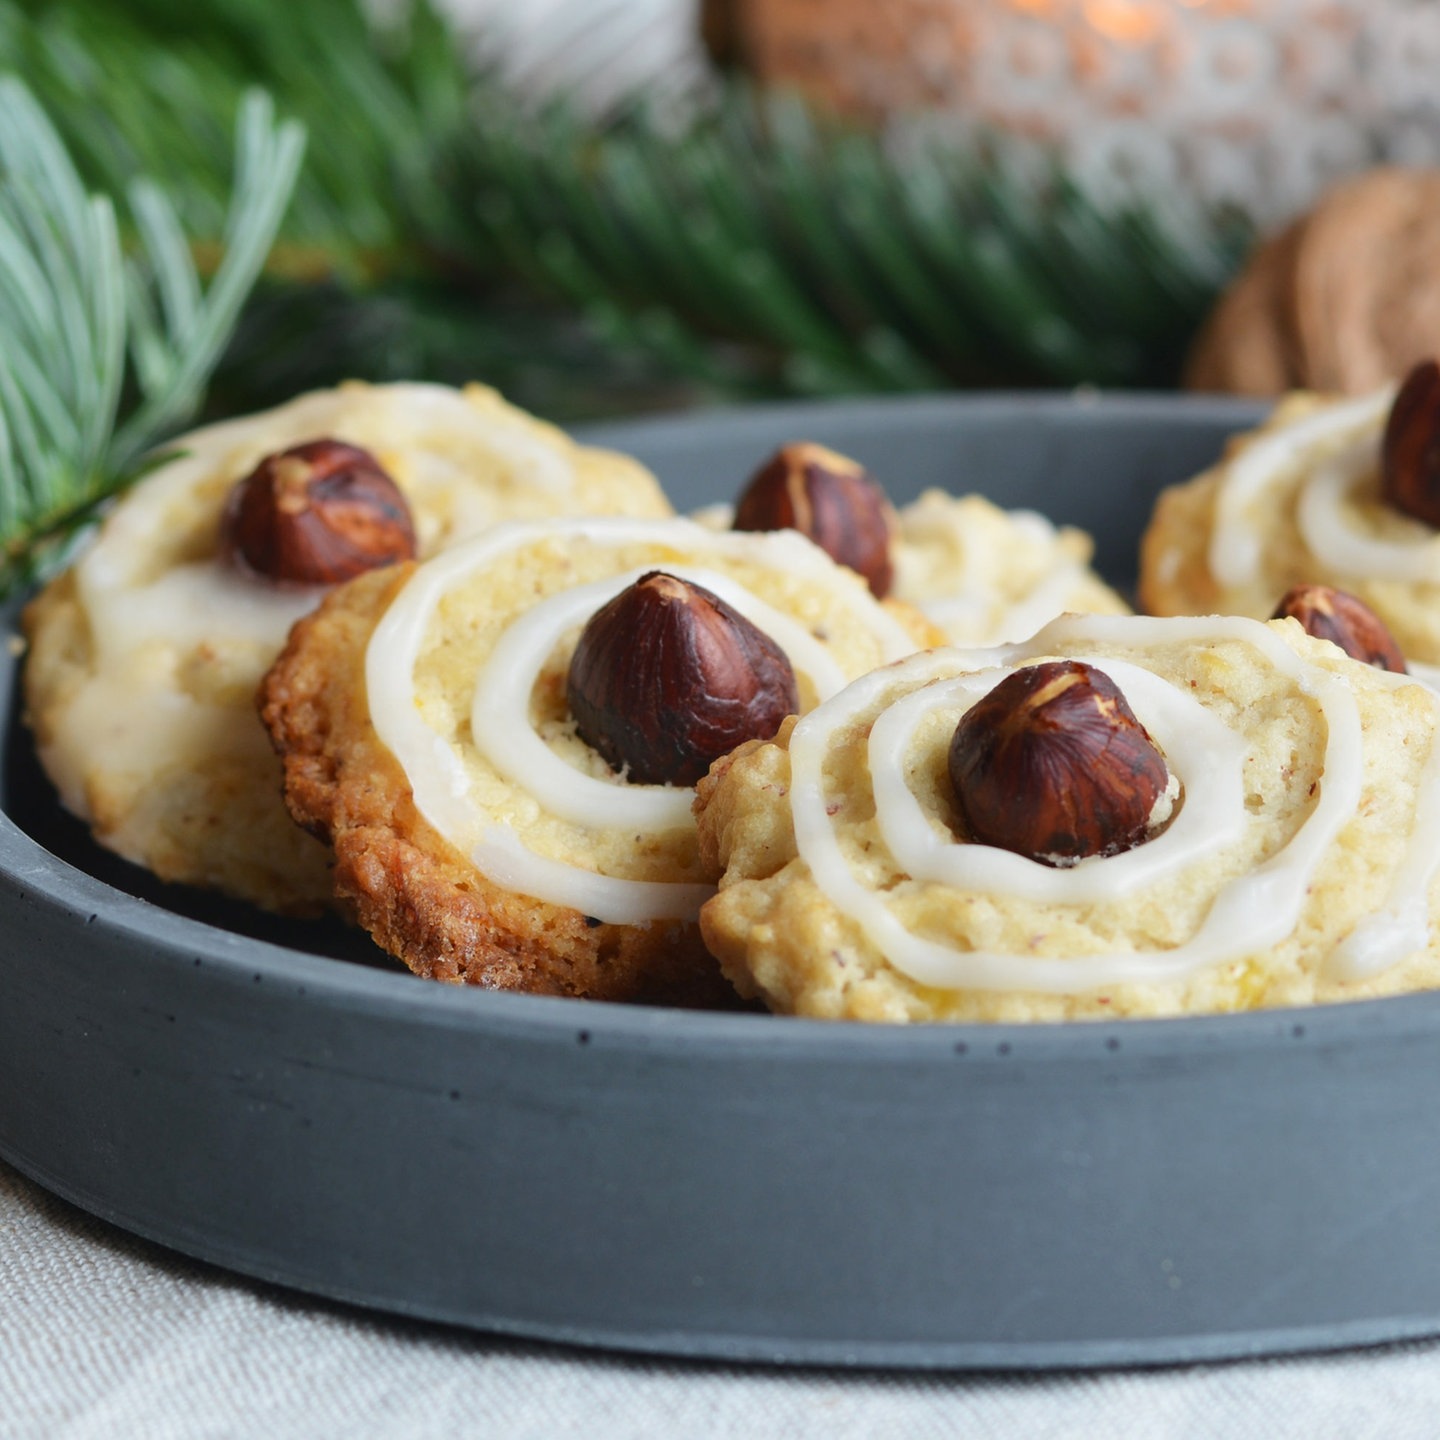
[(1124, 22)]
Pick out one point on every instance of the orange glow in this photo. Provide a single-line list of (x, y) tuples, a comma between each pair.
[(1123, 22), (1127, 22), (1137, 12)]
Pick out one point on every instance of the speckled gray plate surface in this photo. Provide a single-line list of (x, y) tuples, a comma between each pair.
[(735, 1186)]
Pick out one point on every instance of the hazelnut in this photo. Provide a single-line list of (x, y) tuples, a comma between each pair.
[(1340, 618), (1053, 764), (830, 499), (1410, 450), (316, 514), (667, 677)]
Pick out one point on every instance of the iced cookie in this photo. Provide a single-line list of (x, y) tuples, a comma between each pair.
[(982, 574), (144, 657), (1120, 817), (987, 575), (1338, 493), (500, 744)]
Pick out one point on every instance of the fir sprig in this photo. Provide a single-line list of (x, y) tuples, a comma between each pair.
[(747, 248), (91, 330), (837, 262), (146, 88)]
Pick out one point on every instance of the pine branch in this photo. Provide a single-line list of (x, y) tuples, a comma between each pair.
[(197, 326), (74, 309), (844, 265), (146, 89), (753, 249)]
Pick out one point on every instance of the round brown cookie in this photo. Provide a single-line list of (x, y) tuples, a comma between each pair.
[(1247, 345), (1343, 300), (422, 719)]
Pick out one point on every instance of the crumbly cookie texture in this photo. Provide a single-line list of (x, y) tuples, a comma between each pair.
[(532, 868), (987, 575), (1175, 575), (980, 574), (1300, 866), (145, 656), (1294, 502)]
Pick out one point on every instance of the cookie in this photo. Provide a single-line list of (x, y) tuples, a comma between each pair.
[(144, 657), (986, 575), (1294, 859), (1298, 501), (427, 733), (1340, 301), (982, 574)]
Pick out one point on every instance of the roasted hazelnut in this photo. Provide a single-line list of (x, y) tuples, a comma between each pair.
[(316, 514), (1340, 618), (830, 499), (1053, 764), (667, 677), (1410, 450)]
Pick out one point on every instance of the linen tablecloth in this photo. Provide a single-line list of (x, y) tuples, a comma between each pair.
[(102, 1334)]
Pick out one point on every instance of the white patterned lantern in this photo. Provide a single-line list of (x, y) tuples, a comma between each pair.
[(1259, 102)]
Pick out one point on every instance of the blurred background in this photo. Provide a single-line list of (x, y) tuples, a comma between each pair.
[(607, 206)]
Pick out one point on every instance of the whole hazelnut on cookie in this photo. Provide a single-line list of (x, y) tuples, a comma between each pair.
[(1410, 450), (1343, 620), (667, 677), (831, 500), (1053, 765), (316, 514)]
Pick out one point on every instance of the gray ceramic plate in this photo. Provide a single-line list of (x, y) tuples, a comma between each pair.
[(731, 1185)]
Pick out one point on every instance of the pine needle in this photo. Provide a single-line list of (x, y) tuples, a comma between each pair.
[(82, 325)]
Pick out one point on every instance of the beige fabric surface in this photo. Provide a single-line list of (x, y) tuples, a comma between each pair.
[(104, 1335)]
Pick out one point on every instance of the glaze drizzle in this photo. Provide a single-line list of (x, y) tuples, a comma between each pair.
[(1247, 914), (500, 724)]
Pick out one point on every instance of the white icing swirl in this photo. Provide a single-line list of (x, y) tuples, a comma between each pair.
[(1338, 438), (499, 716), (500, 727), (195, 601), (1401, 925), (1330, 534), (1194, 743), (1249, 913), (965, 611), (501, 856)]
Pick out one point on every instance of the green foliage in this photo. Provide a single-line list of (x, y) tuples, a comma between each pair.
[(106, 351), (149, 87), (445, 227), (837, 265)]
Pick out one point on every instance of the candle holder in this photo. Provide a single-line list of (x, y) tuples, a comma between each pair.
[(1256, 103)]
